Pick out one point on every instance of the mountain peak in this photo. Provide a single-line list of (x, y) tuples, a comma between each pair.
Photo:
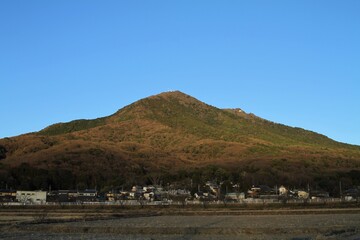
[(170, 98), (172, 94)]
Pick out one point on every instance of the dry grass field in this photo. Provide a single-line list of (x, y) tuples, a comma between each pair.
[(179, 224)]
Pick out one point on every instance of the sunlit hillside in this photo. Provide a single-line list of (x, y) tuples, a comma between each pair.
[(172, 137)]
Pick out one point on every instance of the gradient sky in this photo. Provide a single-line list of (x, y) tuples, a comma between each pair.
[(291, 62)]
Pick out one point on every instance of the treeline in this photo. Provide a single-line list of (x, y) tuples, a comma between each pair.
[(26, 177)]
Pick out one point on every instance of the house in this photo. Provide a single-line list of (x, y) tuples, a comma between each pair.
[(213, 187), (283, 191), (136, 188), (353, 193), (62, 196), (149, 189), (204, 196), (148, 192), (149, 195), (302, 195), (262, 191), (87, 195), (31, 197), (199, 195), (235, 196), (72, 194), (319, 194), (7, 195), (111, 196), (136, 192)]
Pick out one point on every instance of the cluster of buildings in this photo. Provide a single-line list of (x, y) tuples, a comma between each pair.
[(31, 197), (42, 197), (138, 194)]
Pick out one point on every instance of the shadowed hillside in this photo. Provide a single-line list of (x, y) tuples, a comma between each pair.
[(172, 137)]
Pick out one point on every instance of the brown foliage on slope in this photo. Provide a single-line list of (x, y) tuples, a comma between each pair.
[(173, 132)]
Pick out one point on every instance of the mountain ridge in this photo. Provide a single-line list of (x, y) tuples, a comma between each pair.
[(171, 132), (90, 123)]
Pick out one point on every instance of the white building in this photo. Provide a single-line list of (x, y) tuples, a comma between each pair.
[(303, 195), (283, 190), (31, 197)]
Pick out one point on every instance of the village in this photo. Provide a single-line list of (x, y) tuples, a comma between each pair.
[(209, 193)]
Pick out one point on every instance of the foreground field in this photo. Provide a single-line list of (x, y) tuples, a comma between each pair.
[(145, 224)]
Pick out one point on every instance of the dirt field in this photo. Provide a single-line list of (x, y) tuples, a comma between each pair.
[(341, 224)]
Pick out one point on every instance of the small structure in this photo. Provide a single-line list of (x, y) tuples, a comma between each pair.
[(302, 195), (112, 196), (235, 196), (7, 195), (319, 194), (31, 197), (353, 193), (283, 191), (204, 196), (149, 195), (261, 191), (136, 192), (61, 196), (214, 188), (88, 195), (136, 189)]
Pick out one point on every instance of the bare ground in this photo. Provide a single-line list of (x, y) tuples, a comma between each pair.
[(289, 224)]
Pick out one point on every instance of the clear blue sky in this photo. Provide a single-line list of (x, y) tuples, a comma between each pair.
[(292, 62)]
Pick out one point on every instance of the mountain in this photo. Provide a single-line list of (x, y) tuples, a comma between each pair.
[(173, 137)]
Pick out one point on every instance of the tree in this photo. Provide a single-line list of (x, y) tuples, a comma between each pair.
[(2, 152), (224, 199), (120, 198), (181, 198), (142, 201), (24, 199), (154, 178), (205, 201)]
